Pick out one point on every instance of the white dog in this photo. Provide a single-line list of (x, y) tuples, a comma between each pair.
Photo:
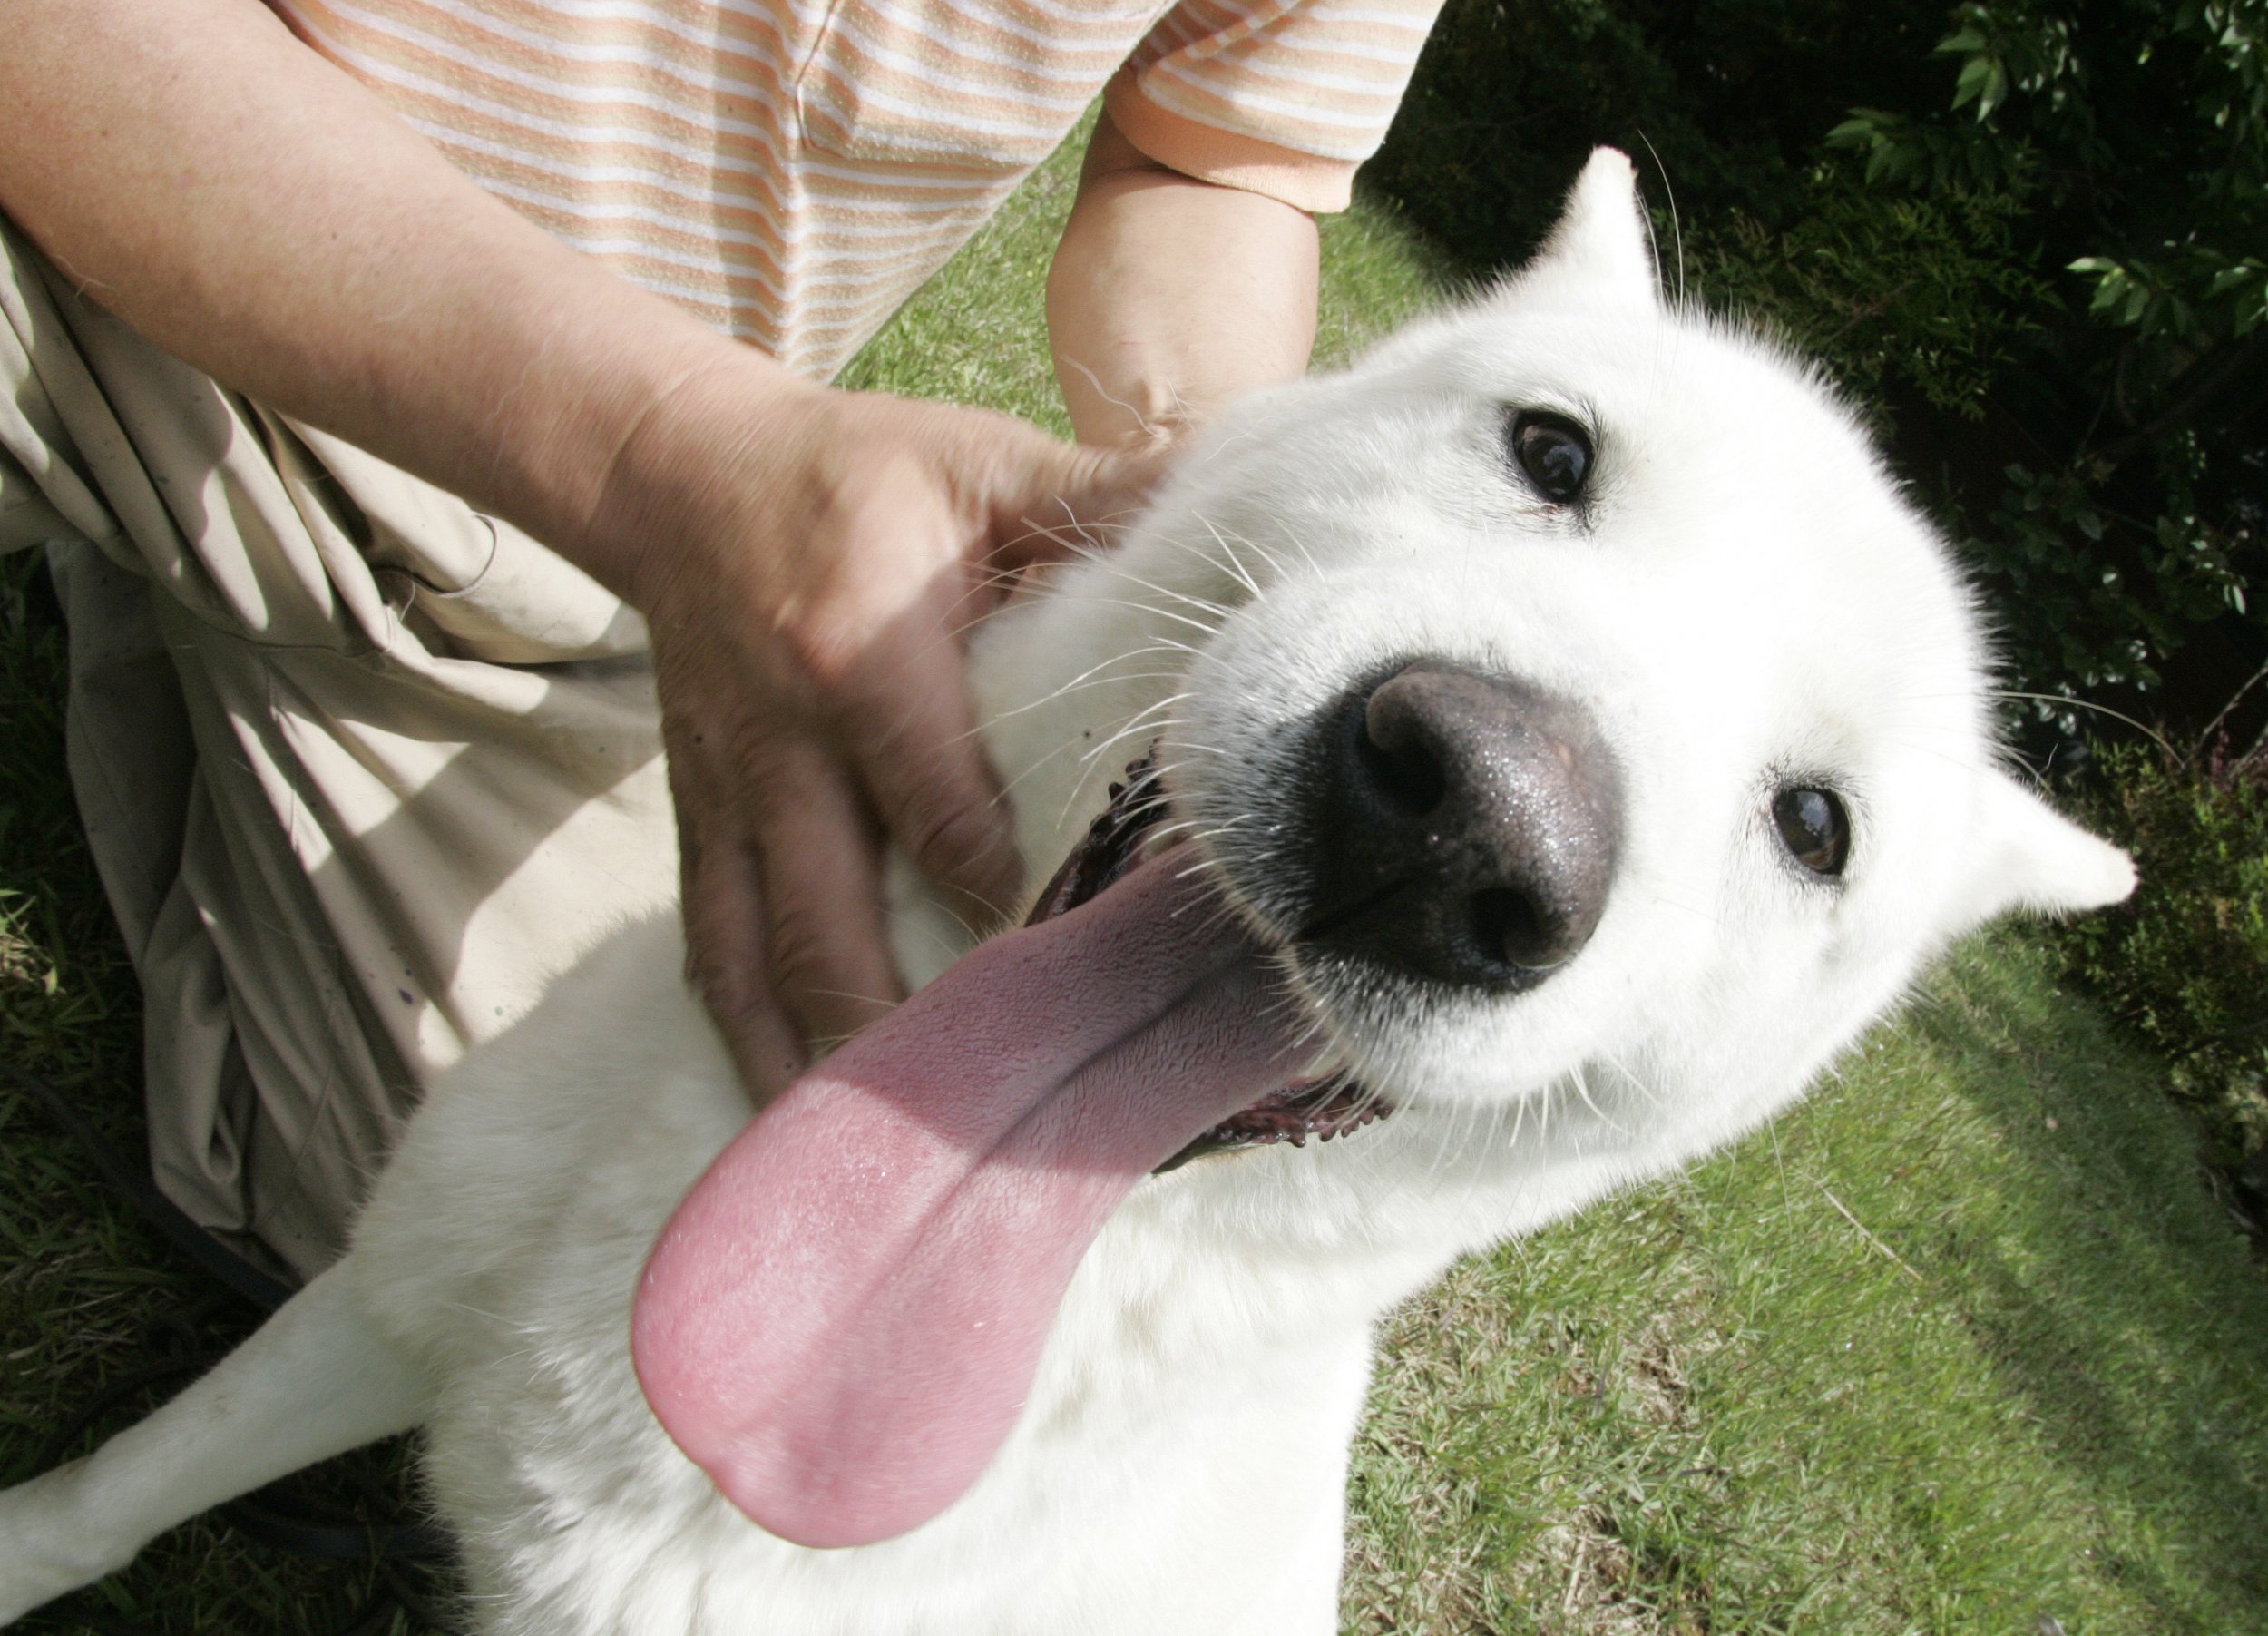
[(1566, 743)]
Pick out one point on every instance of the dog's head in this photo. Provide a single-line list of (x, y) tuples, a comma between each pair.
[(1563, 736), (1569, 696)]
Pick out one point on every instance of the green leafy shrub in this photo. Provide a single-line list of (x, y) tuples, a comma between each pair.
[(2132, 136), (2184, 965), (1733, 97), (1923, 300), (2031, 235)]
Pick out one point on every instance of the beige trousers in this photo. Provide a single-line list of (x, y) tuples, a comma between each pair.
[(361, 767)]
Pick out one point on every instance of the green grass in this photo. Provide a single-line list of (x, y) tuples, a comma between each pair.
[(1962, 1345)]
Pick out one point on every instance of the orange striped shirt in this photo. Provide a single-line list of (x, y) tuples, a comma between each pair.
[(792, 169)]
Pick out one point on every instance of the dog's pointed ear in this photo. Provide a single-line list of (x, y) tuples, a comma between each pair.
[(1600, 253), (2029, 857)]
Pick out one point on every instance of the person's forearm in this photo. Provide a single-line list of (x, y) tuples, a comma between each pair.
[(1170, 296), (239, 201)]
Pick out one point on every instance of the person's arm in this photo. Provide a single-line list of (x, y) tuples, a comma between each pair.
[(1170, 296), (803, 556), (193, 167)]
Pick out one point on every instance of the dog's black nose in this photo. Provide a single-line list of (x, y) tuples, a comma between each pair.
[(1463, 827)]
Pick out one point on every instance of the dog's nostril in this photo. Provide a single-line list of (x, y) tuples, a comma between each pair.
[(1508, 925), (1400, 766)]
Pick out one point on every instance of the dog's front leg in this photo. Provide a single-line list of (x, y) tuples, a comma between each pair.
[(316, 1379)]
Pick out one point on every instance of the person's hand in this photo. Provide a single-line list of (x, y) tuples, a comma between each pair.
[(808, 562)]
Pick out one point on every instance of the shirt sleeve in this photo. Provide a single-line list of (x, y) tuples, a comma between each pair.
[(1280, 97)]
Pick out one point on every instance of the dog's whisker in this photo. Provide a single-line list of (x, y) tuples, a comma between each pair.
[(1079, 685), (1582, 1088), (1147, 722), (1121, 571), (1154, 611), (1143, 422), (1048, 757), (1229, 553), (1188, 827), (1148, 719), (1630, 1081)]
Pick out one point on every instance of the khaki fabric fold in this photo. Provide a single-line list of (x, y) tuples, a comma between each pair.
[(361, 767)]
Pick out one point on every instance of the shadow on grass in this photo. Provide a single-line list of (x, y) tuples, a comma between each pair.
[(2114, 1295)]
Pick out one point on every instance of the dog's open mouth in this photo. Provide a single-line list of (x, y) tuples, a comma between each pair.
[(843, 1320), (1323, 1107)]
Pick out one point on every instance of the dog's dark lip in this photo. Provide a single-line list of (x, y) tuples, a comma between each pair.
[(1323, 1107), (1320, 1108)]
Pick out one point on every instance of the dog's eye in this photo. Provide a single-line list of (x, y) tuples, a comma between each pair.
[(1552, 450), (1816, 826)]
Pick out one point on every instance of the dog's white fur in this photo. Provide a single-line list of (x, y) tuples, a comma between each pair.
[(1743, 601)]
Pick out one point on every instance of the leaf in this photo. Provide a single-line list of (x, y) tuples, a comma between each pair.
[(1977, 84)]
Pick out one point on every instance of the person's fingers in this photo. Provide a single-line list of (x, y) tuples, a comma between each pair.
[(726, 953), (820, 863), (812, 694), (916, 749)]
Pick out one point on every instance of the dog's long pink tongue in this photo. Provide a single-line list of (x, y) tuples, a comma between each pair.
[(841, 1322)]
